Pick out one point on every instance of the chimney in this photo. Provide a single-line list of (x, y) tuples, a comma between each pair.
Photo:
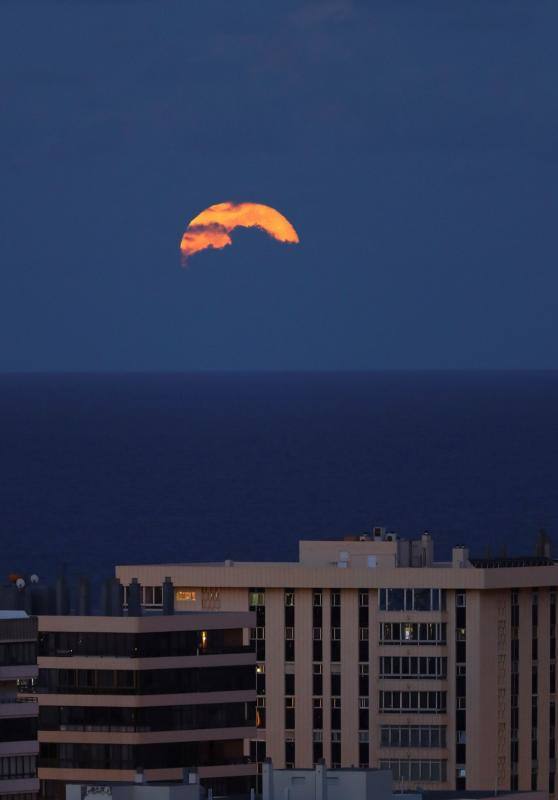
[(168, 596), (84, 597), (543, 547), (105, 598), (460, 556), (62, 597), (116, 597), (427, 549), (134, 598)]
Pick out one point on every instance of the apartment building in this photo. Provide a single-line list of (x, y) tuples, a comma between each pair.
[(18, 719), (371, 653), (155, 693)]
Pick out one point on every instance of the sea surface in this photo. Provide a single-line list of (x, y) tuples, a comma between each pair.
[(97, 470)]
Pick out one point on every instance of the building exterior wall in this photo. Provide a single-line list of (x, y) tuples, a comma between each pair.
[(18, 720), (469, 739)]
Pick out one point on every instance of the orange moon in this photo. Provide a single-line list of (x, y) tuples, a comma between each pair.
[(213, 226)]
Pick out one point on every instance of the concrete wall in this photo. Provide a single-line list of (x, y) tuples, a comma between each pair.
[(183, 791), (323, 784)]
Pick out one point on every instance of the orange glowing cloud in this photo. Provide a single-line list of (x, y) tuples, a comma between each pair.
[(212, 227)]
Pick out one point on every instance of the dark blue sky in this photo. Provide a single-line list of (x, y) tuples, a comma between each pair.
[(413, 145)]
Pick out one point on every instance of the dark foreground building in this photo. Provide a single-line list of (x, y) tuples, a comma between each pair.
[(158, 693), (18, 719)]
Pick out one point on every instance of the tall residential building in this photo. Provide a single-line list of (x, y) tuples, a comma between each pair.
[(18, 719), (158, 693), (371, 653)]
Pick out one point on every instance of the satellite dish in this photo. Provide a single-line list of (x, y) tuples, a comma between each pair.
[(34, 578), (20, 583)]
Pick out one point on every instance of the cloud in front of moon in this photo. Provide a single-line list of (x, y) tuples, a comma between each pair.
[(213, 226)]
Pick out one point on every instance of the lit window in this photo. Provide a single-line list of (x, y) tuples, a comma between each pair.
[(185, 595)]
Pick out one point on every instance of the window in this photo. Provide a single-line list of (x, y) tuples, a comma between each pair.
[(364, 736), (317, 599), (289, 634), (185, 595), (413, 702), (260, 701), (289, 598), (363, 634), (317, 634), (412, 633), (317, 668), (256, 598), (423, 770), (289, 702), (317, 736), (405, 736), (335, 736), (152, 596), (363, 669), (363, 702), (412, 599), (336, 599), (460, 599), (258, 633), (317, 702), (363, 598), (336, 634), (413, 667), (336, 702)]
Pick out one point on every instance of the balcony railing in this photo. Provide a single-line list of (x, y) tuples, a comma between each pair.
[(200, 651), (17, 698)]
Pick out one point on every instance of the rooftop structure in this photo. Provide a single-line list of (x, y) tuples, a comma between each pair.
[(320, 783)]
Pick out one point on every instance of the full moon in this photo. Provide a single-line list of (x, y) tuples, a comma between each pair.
[(213, 226)]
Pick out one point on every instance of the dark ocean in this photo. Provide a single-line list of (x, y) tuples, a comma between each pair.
[(104, 469)]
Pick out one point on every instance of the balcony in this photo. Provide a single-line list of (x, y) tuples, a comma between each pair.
[(13, 786)]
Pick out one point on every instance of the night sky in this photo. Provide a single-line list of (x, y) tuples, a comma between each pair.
[(413, 145)]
